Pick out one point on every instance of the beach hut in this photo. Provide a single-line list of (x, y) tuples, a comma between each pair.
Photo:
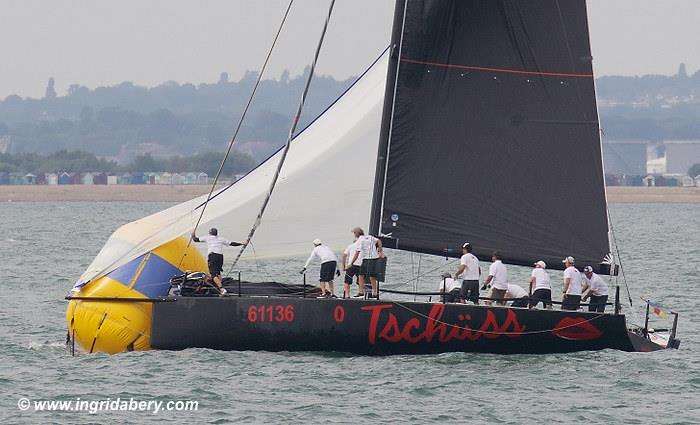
[(64, 178), (202, 178), (88, 179), (100, 178), (52, 179), (40, 179), (177, 178), (166, 178), (124, 179), (112, 180), (75, 178), (136, 178), (4, 177)]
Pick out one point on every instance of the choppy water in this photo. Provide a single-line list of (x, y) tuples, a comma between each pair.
[(44, 247)]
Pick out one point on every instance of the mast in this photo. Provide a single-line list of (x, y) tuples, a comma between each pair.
[(387, 114)]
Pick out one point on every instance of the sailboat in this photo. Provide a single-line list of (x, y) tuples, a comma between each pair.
[(478, 123)]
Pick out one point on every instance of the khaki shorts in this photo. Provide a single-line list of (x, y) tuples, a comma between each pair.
[(497, 294)]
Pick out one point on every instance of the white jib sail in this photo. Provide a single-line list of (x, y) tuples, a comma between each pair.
[(325, 189)]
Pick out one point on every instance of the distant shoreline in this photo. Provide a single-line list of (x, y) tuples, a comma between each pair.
[(180, 193)]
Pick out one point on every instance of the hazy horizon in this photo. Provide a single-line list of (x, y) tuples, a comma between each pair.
[(101, 43)]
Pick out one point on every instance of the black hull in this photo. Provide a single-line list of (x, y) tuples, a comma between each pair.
[(381, 327)]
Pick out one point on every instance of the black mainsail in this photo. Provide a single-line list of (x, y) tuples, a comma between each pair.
[(491, 133)]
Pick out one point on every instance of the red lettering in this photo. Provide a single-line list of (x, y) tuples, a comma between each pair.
[(393, 331), (374, 320)]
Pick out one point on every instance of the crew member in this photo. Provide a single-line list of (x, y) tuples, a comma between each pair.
[(352, 271), (371, 250), (450, 288), (540, 286), (517, 294), (215, 256), (468, 272), (329, 263), (571, 299), (497, 279), (596, 289)]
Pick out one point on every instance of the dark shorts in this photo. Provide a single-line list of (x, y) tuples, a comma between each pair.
[(369, 268), (571, 302), (453, 296), (327, 271), (215, 263), (351, 273), (544, 295), (470, 291), (519, 302), (597, 303)]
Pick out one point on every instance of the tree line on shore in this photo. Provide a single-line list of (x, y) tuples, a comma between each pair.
[(186, 119), (82, 162)]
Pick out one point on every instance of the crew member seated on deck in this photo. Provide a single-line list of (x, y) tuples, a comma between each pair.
[(215, 257), (450, 288), (518, 295)]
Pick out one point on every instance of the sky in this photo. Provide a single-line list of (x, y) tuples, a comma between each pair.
[(97, 42)]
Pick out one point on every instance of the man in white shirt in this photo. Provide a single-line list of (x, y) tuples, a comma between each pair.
[(450, 288), (351, 270), (571, 299), (215, 256), (517, 294), (468, 272), (595, 288), (497, 279), (371, 250), (540, 286), (329, 262)]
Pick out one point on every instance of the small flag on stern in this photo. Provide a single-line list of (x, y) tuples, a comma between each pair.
[(657, 309)]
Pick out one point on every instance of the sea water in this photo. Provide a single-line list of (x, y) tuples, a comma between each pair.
[(44, 247)]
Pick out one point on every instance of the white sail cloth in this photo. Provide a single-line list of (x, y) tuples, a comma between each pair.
[(325, 189)]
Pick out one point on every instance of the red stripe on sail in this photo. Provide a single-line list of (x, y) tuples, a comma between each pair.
[(485, 69)]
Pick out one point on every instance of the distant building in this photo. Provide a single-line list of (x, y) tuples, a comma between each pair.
[(681, 155), (625, 158), (52, 179)]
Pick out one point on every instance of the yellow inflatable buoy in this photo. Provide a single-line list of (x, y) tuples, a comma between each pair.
[(117, 326)]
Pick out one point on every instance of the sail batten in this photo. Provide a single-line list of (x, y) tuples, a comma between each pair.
[(494, 134)]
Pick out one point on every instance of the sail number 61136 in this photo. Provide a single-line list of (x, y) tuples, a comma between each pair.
[(271, 313)]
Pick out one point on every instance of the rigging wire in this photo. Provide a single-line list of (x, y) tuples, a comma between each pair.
[(292, 129), (617, 253), (238, 128)]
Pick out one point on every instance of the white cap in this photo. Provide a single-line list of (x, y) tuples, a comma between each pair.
[(317, 241), (588, 269), (570, 259), (541, 264)]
